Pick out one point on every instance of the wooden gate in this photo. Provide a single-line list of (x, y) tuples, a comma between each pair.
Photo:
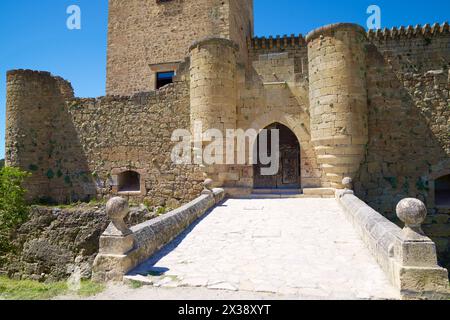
[(288, 175)]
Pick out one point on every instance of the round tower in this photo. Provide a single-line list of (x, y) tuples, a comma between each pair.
[(338, 99), (213, 93), (34, 100)]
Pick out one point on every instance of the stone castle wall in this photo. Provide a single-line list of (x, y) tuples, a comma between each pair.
[(293, 46), (76, 148), (143, 33), (408, 92), (409, 123), (241, 25), (374, 106)]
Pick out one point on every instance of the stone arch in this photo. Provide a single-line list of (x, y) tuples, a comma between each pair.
[(442, 191), (129, 181), (289, 121), (311, 173), (438, 171)]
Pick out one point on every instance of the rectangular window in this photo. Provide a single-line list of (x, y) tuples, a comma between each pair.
[(164, 78)]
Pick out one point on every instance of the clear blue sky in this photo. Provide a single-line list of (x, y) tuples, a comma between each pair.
[(33, 33)]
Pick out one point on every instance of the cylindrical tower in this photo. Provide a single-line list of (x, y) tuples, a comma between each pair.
[(27, 116), (338, 99), (213, 93), (33, 103)]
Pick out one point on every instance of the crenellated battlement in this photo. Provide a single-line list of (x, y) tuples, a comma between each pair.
[(409, 32), (277, 42), (296, 41)]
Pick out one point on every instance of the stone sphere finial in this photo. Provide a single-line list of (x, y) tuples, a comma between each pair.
[(347, 182), (413, 213), (117, 209), (207, 186)]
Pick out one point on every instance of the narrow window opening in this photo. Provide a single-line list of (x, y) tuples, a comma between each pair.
[(164, 78), (442, 191), (129, 181)]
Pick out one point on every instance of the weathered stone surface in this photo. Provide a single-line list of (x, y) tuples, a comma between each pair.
[(412, 212), (338, 98), (296, 246), (128, 70), (94, 140), (117, 210), (54, 243), (408, 92)]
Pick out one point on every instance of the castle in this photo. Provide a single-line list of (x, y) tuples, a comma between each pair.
[(373, 106)]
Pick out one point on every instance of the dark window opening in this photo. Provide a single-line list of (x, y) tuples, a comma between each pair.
[(164, 78), (129, 181), (442, 191)]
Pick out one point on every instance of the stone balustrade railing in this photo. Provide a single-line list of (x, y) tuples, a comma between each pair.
[(123, 248), (407, 256)]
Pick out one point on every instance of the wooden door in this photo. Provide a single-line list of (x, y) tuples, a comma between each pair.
[(288, 175)]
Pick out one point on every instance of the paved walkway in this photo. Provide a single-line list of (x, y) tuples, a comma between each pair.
[(293, 247)]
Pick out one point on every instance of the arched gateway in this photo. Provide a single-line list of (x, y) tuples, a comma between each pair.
[(288, 175)]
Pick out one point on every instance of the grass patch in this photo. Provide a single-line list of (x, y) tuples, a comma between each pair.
[(29, 290), (73, 205), (33, 290), (135, 284), (89, 288)]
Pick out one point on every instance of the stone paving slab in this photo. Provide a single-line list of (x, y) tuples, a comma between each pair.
[(299, 247)]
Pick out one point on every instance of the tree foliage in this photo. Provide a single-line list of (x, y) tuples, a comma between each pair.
[(13, 208)]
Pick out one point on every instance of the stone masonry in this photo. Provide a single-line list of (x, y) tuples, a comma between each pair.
[(373, 106)]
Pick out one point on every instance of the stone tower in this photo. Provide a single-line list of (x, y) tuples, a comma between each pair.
[(213, 86), (338, 99), (150, 36)]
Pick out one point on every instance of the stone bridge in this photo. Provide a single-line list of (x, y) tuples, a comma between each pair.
[(316, 247)]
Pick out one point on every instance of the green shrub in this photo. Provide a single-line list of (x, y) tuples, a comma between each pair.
[(161, 210), (13, 208)]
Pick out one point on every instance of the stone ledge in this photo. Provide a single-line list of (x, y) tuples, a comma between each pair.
[(151, 236)]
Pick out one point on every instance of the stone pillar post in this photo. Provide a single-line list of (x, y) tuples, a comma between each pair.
[(338, 99), (117, 240), (418, 272)]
